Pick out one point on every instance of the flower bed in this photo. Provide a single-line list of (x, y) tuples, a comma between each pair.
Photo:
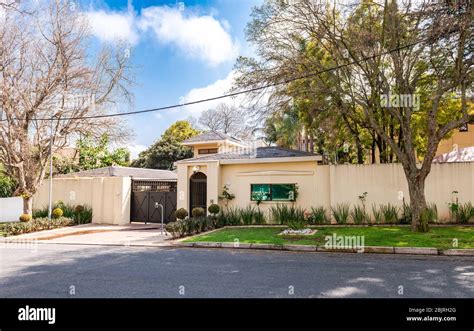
[(38, 224)]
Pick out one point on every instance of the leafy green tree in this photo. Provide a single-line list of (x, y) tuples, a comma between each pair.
[(180, 131), (7, 186), (418, 52), (167, 150), (162, 154), (93, 155)]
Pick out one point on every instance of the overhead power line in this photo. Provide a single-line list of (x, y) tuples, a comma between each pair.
[(231, 94)]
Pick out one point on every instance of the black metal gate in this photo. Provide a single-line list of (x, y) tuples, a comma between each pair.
[(198, 191), (152, 198)]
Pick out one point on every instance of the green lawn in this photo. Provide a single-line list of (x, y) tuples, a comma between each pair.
[(439, 237)]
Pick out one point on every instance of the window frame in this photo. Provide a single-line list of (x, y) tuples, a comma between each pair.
[(208, 151), (271, 192)]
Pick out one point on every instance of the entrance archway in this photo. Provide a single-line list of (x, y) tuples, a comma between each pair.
[(197, 191)]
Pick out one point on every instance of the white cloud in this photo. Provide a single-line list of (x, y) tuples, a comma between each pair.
[(219, 87), (135, 149), (201, 37), (222, 87), (113, 26)]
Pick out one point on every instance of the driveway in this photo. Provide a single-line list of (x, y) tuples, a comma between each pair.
[(96, 234), (61, 271)]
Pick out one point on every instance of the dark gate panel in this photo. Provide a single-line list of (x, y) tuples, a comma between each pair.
[(154, 210), (171, 199), (147, 196), (198, 191), (139, 207)]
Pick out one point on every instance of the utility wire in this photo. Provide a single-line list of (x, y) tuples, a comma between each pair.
[(232, 94)]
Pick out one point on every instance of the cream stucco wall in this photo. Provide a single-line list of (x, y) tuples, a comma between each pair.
[(109, 197), (239, 177), (328, 185), (185, 171)]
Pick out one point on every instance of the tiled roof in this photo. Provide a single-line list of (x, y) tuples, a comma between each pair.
[(461, 155), (258, 153), (210, 136), (116, 171)]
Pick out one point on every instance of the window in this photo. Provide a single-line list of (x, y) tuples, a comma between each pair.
[(207, 151), (272, 192), (464, 128)]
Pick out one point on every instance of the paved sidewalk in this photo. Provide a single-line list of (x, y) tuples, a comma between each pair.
[(96, 234)]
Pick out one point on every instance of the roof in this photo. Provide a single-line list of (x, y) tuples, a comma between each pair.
[(117, 171), (211, 136), (256, 153), (461, 155)]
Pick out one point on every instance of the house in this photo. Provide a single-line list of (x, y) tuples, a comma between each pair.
[(261, 175), (459, 139), (213, 142)]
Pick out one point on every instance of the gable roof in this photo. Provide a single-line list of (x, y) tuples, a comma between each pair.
[(255, 153), (117, 171), (211, 136)]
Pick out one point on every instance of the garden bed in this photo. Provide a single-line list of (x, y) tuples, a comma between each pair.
[(392, 236)]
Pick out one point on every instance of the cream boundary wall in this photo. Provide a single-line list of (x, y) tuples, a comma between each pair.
[(109, 197), (328, 185), (11, 209)]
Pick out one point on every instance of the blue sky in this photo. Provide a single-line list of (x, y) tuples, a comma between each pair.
[(179, 54)]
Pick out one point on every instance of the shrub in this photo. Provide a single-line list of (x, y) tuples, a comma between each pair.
[(176, 229), (259, 217), (214, 209), (464, 212), (40, 213), (296, 223), (247, 215), (432, 213), (39, 224), (198, 212), (81, 214), (319, 215), (221, 220), (25, 217), (233, 216), (377, 213), (405, 217), (79, 209), (58, 204), (359, 215), (390, 213), (341, 212), (181, 213), (284, 214), (57, 212), (82, 217)]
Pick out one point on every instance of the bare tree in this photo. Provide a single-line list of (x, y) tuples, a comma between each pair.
[(226, 119), (51, 88)]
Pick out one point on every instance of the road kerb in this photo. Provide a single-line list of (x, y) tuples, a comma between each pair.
[(416, 250)]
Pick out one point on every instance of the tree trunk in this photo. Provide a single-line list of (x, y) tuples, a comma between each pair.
[(416, 188), (373, 160), (28, 205)]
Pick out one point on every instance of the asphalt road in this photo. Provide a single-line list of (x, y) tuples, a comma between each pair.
[(63, 271)]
